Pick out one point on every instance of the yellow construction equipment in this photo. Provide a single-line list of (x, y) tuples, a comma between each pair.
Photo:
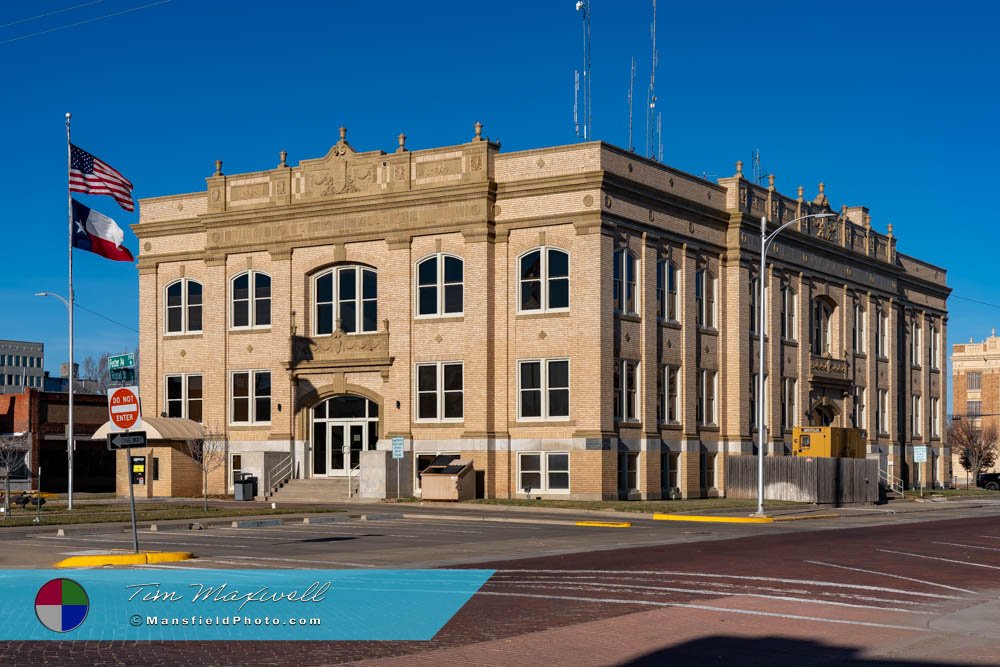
[(828, 441)]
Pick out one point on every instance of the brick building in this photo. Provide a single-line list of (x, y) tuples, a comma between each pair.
[(975, 390), (575, 319)]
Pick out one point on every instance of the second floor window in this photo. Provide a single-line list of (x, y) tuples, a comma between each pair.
[(543, 388), (974, 409), (973, 381), (543, 280), (705, 291), (789, 402), (625, 272), (882, 413), (916, 344), (251, 300), (935, 418), (788, 313), (440, 286), (935, 345), (348, 296), (705, 411), (915, 405), (822, 314), (251, 397), (882, 335), (858, 331), (440, 391), (183, 396), (184, 303), (625, 383), (667, 298)]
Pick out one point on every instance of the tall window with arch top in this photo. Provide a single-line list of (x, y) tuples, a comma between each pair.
[(251, 300), (543, 283), (440, 286), (348, 296), (184, 306)]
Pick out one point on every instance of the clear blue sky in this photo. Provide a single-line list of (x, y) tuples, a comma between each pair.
[(892, 104)]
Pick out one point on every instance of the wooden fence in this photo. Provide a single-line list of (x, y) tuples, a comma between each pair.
[(825, 481)]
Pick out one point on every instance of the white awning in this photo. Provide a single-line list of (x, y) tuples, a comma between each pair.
[(160, 428)]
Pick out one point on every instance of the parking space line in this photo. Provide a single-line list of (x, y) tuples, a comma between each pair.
[(300, 560), (946, 560), (894, 576), (967, 546), (125, 542)]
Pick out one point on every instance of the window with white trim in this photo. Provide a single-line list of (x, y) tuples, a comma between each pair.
[(788, 313), (882, 413), (183, 307), (625, 272), (250, 393), (916, 342), (754, 299), (346, 296), (973, 381), (251, 301), (935, 345), (858, 410), (543, 472), (789, 404), (705, 291), (440, 391), (543, 280), (974, 409), (705, 411), (440, 286), (543, 389), (626, 395), (183, 396), (667, 298), (858, 329), (822, 315), (882, 335), (672, 375), (915, 405), (935, 417)]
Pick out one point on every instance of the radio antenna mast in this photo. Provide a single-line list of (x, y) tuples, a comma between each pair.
[(631, 85), (651, 139), (586, 131)]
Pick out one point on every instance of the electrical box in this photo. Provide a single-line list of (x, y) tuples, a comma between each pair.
[(828, 441)]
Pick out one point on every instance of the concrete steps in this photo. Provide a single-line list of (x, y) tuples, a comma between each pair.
[(317, 490)]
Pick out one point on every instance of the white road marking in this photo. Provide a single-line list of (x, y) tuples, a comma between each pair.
[(785, 598), (300, 560), (834, 584), (946, 560), (967, 546), (726, 610), (125, 541), (894, 576), (992, 537)]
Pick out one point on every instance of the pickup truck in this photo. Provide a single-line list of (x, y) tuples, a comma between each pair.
[(989, 480)]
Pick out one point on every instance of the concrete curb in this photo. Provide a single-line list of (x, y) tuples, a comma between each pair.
[(141, 558), (605, 524), (805, 517), (713, 519), (320, 520), (258, 523), (382, 515), (494, 519)]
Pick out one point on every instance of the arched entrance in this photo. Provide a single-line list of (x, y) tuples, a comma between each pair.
[(342, 427), (822, 415)]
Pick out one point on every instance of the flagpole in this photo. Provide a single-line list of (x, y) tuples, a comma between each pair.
[(72, 373)]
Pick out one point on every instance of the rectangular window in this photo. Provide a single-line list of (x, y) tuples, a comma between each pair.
[(673, 374), (673, 297), (858, 332), (543, 388), (156, 469), (705, 402), (935, 343), (788, 313), (882, 335), (251, 397), (974, 409), (789, 411), (626, 390), (669, 466), (916, 344), (973, 381), (704, 299), (858, 412), (707, 461), (625, 269), (546, 472), (660, 402), (935, 418), (882, 414), (631, 461), (440, 391), (915, 402), (661, 293)]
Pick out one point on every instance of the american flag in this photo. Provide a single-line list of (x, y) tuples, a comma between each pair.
[(90, 175)]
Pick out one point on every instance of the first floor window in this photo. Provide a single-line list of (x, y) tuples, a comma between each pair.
[(935, 418), (673, 375), (628, 471), (858, 413), (626, 390), (543, 388), (882, 414), (624, 282), (705, 400), (974, 409), (543, 471), (669, 466), (708, 460), (251, 397), (915, 404), (440, 391), (183, 396), (789, 414)]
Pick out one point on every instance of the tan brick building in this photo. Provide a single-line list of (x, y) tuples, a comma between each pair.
[(575, 319), (975, 389)]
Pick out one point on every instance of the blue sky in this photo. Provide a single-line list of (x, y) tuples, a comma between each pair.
[(891, 104)]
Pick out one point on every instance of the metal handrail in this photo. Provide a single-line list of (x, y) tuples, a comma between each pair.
[(277, 474), (350, 477), (892, 482)]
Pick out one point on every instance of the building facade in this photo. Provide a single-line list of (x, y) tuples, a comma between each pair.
[(22, 365), (975, 394), (576, 320)]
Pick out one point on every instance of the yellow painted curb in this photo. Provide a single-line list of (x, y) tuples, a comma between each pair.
[(806, 517), (712, 519), (142, 558), (605, 524)]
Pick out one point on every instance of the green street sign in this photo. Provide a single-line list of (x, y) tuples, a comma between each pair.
[(121, 361), (123, 375)]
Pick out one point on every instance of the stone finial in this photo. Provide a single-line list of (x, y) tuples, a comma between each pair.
[(479, 131), (218, 168), (994, 334), (402, 143), (343, 135), (283, 157), (822, 188), (739, 168), (770, 181), (890, 230), (802, 192)]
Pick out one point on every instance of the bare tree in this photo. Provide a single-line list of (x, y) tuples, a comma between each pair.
[(97, 370), (208, 454), (14, 448), (977, 447)]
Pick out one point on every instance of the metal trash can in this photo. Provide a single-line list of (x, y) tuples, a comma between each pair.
[(252, 481), (243, 488)]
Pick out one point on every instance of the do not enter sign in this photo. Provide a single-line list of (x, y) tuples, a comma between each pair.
[(123, 408)]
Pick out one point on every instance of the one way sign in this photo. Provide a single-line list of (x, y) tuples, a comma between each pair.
[(126, 440)]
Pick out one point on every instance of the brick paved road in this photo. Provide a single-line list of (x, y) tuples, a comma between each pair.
[(914, 590)]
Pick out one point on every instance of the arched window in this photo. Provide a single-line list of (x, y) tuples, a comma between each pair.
[(705, 290), (625, 271), (346, 296), (440, 286), (251, 301), (822, 314), (543, 280), (183, 306)]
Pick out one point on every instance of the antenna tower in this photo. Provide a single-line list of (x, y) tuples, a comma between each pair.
[(631, 85), (759, 175), (585, 131), (652, 141)]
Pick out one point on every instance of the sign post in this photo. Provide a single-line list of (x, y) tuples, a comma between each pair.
[(131, 502), (397, 454), (920, 456), (125, 413)]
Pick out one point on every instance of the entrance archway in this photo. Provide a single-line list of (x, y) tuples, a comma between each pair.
[(342, 428), (822, 415)]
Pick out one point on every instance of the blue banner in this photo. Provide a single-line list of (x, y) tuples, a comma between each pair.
[(206, 604)]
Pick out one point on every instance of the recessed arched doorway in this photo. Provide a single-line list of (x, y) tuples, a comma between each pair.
[(342, 428)]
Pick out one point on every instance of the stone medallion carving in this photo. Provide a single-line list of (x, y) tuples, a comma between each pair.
[(588, 200)]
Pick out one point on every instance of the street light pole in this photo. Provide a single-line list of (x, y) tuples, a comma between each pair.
[(69, 435), (765, 242)]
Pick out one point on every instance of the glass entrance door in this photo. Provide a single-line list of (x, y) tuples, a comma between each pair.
[(346, 441), (342, 427)]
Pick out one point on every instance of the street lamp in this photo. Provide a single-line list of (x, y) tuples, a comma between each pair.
[(69, 435), (765, 242)]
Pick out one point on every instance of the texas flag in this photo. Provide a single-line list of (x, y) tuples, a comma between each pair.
[(99, 234)]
